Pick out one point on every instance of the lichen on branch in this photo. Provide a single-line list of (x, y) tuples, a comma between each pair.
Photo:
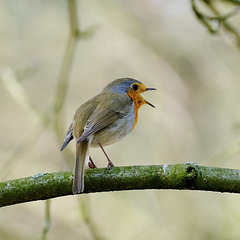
[(188, 176)]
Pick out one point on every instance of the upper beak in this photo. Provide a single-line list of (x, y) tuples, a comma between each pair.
[(150, 89), (147, 101)]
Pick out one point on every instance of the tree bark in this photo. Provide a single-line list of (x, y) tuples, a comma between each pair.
[(188, 176)]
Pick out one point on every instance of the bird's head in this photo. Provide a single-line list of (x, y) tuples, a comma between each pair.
[(133, 88)]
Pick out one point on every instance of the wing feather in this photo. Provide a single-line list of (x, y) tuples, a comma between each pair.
[(97, 121), (68, 137)]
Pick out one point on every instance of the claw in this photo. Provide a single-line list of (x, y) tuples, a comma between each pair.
[(91, 164), (110, 165)]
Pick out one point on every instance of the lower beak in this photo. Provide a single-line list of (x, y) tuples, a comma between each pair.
[(150, 104), (147, 89)]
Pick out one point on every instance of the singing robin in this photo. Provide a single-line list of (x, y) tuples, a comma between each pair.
[(104, 119)]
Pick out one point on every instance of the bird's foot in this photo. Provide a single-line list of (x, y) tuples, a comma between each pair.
[(91, 164), (110, 165)]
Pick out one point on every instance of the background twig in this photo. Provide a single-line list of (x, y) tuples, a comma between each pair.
[(65, 69), (214, 23)]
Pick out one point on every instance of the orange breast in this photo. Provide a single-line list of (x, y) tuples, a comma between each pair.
[(138, 101)]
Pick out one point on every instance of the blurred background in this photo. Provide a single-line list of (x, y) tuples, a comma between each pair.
[(196, 119)]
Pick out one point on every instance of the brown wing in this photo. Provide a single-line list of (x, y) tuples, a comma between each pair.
[(97, 121), (114, 107)]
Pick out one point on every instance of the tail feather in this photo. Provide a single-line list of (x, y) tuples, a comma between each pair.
[(81, 158)]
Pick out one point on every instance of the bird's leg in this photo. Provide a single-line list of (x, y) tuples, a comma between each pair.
[(91, 164), (110, 164)]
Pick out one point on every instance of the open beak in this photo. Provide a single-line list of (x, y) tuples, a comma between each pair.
[(147, 89)]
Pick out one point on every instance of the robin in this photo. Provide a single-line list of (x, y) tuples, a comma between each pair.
[(104, 119)]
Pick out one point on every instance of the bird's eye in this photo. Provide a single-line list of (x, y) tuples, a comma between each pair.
[(135, 87)]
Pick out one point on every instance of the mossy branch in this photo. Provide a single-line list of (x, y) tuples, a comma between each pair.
[(187, 176)]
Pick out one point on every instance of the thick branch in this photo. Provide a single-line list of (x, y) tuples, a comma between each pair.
[(180, 176)]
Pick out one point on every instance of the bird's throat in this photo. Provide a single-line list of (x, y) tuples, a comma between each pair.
[(138, 101)]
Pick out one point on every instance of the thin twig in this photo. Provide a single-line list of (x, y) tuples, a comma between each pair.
[(213, 23), (15, 89), (47, 221), (227, 26), (66, 69), (74, 35), (85, 209)]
